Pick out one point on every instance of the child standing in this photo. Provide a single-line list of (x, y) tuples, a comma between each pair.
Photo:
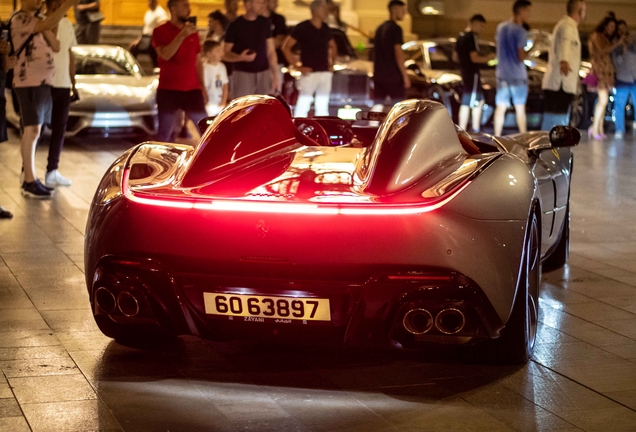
[(215, 76)]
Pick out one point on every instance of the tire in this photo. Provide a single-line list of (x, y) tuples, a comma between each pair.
[(131, 335), (559, 257), (516, 341)]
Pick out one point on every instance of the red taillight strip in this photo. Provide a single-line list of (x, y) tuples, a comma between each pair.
[(419, 278), (264, 207)]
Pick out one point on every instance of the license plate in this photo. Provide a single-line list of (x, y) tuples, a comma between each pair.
[(262, 308)]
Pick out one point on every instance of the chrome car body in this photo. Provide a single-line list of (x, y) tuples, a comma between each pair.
[(115, 94), (401, 235)]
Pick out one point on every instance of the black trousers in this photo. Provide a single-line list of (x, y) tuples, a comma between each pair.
[(88, 33), (59, 117), (557, 102), (144, 46)]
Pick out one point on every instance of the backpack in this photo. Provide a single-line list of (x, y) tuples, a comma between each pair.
[(13, 53)]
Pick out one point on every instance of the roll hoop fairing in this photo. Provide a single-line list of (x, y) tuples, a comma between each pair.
[(419, 237)]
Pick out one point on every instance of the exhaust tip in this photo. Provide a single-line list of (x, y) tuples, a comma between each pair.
[(450, 321), (105, 300), (128, 304), (418, 321)]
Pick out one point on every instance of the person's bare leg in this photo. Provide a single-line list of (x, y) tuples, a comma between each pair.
[(464, 112), (477, 117), (27, 148), (500, 117), (599, 112), (520, 111)]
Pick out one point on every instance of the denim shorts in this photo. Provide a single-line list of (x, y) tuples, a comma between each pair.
[(517, 92), (35, 103)]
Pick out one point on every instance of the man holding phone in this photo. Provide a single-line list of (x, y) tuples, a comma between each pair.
[(181, 79), (249, 44)]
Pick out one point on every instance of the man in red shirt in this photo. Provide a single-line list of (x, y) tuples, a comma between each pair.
[(181, 84)]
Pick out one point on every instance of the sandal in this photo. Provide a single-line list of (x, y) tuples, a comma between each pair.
[(5, 214)]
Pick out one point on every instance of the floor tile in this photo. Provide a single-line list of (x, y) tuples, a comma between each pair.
[(14, 424), (27, 338), (53, 388), (38, 367), (603, 420), (70, 416), (609, 378)]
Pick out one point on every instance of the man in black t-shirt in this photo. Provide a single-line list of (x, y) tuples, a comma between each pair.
[(470, 61), (250, 46), (317, 52), (279, 31), (389, 73)]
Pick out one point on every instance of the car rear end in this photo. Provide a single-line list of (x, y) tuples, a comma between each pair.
[(290, 248)]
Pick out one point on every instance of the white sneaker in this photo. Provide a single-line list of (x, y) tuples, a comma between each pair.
[(618, 135), (54, 178)]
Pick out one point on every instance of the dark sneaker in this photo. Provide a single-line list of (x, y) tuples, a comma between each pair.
[(48, 188), (35, 190)]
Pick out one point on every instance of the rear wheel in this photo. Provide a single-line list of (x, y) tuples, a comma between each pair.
[(516, 341)]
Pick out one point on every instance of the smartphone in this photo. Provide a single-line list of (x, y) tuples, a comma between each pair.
[(193, 20)]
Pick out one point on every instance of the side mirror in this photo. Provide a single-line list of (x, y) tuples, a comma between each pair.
[(204, 124), (564, 136)]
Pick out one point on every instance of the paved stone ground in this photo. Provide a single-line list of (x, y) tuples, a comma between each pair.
[(59, 373)]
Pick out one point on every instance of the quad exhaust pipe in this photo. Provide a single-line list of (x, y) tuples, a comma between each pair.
[(448, 321), (126, 302), (418, 321)]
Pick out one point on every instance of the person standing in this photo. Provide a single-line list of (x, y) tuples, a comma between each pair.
[(5, 49), (89, 22), (561, 79), (231, 9), (625, 63), (34, 44), (215, 76), (279, 31), (470, 61), (154, 16), (601, 46), (61, 91), (181, 82), (249, 45), (389, 74), (512, 75), (317, 50), (217, 26)]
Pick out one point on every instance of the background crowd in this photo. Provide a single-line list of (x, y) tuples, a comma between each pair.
[(245, 54)]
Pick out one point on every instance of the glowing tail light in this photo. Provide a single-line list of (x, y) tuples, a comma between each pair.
[(285, 208), (418, 278)]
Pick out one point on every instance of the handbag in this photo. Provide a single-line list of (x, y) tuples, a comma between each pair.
[(94, 16), (590, 80)]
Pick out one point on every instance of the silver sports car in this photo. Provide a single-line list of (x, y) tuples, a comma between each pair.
[(115, 94), (409, 234)]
